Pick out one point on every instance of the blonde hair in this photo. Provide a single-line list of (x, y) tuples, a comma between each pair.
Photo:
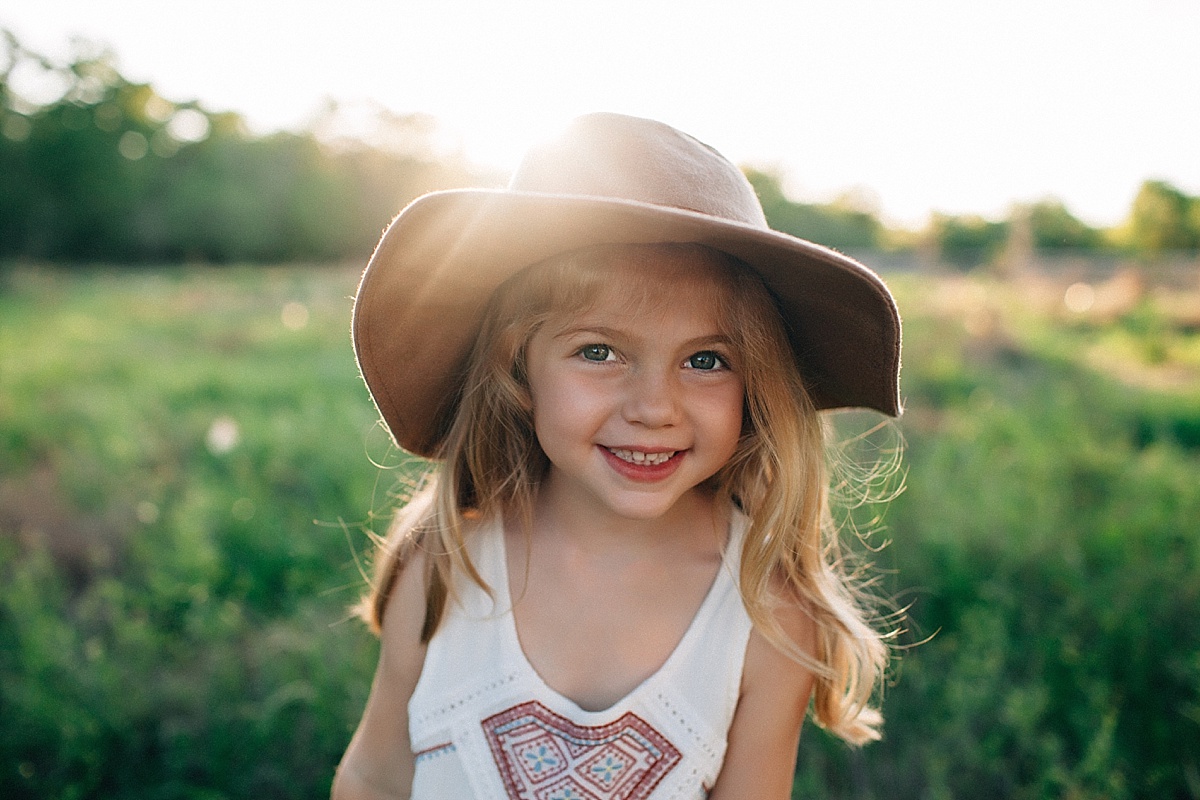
[(491, 463)]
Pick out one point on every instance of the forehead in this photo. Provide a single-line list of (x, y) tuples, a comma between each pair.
[(650, 280)]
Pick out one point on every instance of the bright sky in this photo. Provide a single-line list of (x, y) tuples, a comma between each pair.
[(950, 105)]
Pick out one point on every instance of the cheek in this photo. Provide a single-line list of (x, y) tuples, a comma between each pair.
[(561, 407), (549, 397), (725, 415)]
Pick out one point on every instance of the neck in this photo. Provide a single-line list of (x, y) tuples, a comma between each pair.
[(587, 528)]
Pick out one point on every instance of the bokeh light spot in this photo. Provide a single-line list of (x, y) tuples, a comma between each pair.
[(223, 435), (36, 84), (294, 316), (133, 145), (188, 125), (158, 109), (1079, 297), (16, 128), (147, 512)]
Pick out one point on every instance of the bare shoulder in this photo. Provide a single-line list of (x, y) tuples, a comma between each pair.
[(378, 764), (801, 631), (761, 756), (404, 614)]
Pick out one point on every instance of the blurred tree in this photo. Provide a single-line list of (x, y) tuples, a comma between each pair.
[(1055, 228), (967, 241), (843, 224), (97, 168), (1162, 219), (66, 181)]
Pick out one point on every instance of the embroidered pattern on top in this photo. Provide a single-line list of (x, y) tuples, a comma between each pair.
[(544, 756)]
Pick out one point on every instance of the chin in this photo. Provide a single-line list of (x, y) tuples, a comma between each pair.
[(647, 510)]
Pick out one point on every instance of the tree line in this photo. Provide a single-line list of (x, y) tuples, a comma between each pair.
[(100, 168), (109, 170)]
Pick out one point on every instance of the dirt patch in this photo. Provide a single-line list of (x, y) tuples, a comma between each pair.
[(36, 512)]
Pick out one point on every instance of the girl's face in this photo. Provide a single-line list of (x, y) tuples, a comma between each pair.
[(638, 399)]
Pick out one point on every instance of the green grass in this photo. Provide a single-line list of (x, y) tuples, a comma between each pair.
[(174, 606), (187, 482)]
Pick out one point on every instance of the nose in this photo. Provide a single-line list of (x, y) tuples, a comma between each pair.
[(652, 399)]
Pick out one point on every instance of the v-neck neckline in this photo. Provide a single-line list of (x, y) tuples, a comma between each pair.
[(723, 577)]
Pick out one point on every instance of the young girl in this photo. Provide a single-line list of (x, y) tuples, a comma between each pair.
[(621, 579)]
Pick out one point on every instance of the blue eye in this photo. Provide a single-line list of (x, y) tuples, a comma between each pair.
[(705, 360), (596, 352)]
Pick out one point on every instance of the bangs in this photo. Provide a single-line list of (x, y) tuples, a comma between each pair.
[(639, 278)]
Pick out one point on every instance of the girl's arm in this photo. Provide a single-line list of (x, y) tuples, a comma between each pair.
[(760, 761), (378, 764)]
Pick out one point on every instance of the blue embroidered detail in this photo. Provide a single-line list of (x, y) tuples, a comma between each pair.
[(608, 769), (543, 758)]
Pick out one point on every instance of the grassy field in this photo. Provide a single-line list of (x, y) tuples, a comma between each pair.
[(189, 468)]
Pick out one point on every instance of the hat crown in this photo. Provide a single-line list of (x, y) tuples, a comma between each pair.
[(628, 158)]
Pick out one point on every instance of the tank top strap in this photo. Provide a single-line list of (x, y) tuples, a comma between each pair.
[(454, 675), (708, 661)]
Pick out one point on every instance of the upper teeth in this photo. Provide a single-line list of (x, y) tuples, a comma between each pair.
[(638, 457)]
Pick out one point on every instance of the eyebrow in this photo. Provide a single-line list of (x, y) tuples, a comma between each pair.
[(606, 333)]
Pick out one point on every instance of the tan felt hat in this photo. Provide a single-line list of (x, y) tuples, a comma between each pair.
[(609, 179)]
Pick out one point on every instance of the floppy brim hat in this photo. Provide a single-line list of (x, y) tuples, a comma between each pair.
[(609, 179)]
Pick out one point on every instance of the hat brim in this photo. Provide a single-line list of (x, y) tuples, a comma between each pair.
[(421, 298)]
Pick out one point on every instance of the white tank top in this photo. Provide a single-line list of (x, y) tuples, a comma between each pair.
[(484, 724)]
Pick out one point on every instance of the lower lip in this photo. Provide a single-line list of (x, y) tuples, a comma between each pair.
[(643, 472)]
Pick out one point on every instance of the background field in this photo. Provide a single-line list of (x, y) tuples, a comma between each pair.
[(189, 468)]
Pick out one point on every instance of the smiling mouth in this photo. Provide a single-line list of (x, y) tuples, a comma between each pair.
[(642, 459)]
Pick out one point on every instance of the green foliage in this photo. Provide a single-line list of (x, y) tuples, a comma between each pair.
[(113, 172), (837, 225), (1162, 219), (967, 241), (172, 620), (1055, 228), (1047, 547), (109, 171)]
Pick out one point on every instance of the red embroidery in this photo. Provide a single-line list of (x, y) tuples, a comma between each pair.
[(543, 756), (428, 751)]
